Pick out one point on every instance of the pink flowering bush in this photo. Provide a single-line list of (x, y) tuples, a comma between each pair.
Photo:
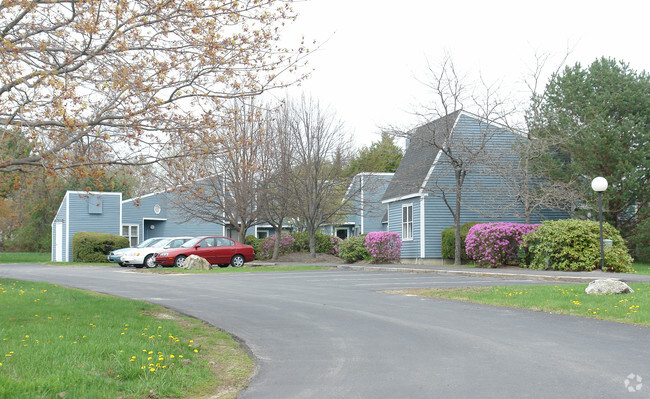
[(496, 244), (384, 246), (336, 241), (286, 245)]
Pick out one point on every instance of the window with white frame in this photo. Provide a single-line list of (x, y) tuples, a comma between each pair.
[(407, 222), (130, 231)]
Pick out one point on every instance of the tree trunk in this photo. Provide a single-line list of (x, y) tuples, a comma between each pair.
[(312, 243), (278, 238), (241, 235), (457, 246)]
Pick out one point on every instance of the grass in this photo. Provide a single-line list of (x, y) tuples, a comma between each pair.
[(24, 257), (57, 342), (642, 268), (565, 299)]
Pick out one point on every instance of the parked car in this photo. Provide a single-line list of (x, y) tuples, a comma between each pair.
[(116, 255), (143, 256), (217, 250)]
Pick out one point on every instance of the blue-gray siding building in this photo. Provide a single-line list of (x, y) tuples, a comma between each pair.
[(84, 211), (424, 186)]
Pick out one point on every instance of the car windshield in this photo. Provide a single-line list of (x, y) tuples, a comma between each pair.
[(160, 243), (147, 243), (191, 242)]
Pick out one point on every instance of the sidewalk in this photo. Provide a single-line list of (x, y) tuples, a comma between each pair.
[(502, 273)]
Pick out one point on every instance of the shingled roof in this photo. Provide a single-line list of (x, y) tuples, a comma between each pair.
[(424, 144)]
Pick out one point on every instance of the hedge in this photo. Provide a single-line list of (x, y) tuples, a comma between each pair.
[(448, 242), (353, 249), (95, 247)]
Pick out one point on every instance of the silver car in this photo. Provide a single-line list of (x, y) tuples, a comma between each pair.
[(143, 257)]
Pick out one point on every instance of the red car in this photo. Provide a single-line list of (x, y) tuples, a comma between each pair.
[(217, 250)]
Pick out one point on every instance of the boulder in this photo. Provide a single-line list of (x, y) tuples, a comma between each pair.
[(608, 286), (194, 262)]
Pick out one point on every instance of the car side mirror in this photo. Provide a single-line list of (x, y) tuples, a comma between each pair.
[(197, 246)]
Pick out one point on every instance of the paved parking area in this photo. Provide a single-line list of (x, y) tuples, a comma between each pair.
[(335, 334)]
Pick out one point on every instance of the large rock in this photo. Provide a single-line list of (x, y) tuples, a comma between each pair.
[(194, 262), (608, 286)]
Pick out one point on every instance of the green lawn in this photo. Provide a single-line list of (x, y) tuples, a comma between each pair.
[(57, 342), (24, 257), (642, 268), (566, 299)]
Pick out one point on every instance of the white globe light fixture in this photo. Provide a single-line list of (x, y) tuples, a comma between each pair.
[(599, 184)]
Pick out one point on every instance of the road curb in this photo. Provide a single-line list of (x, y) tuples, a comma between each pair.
[(501, 275)]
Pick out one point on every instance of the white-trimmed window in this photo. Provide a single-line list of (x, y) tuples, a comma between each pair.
[(407, 222), (130, 231)]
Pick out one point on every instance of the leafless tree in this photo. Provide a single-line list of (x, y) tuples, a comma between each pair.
[(320, 149), (521, 175), (275, 205), (459, 155), (224, 188)]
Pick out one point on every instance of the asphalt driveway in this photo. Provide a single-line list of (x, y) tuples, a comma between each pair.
[(334, 334)]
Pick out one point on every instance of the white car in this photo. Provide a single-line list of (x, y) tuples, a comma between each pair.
[(116, 255), (143, 257)]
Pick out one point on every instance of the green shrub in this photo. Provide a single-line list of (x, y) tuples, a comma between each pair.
[(448, 242), (324, 243), (95, 247), (574, 245), (300, 241), (256, 243), (354, 249)]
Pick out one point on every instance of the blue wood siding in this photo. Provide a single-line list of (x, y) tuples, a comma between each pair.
[(169, 222), (481, 198), (410, 248), (367, 190), (373, 210), (75, 215)]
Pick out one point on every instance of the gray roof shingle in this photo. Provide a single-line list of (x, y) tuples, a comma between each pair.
[(424, 144)]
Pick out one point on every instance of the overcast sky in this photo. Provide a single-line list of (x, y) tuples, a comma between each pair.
[(372, 51)]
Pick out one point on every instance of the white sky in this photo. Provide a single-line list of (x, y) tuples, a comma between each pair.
[(373, 50)]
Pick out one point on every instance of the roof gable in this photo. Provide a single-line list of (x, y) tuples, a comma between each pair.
[(420, 156)]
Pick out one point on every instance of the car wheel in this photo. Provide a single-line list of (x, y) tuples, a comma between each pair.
[(237, 261), (223, 265), (179, 261), (122, 264), (148, 261)]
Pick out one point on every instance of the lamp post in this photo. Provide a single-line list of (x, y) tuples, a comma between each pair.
[(599, 184)]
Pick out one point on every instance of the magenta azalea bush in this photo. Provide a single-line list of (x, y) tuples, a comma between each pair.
[(336, 241), (384, 246), (496, 244), (286, 245)]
